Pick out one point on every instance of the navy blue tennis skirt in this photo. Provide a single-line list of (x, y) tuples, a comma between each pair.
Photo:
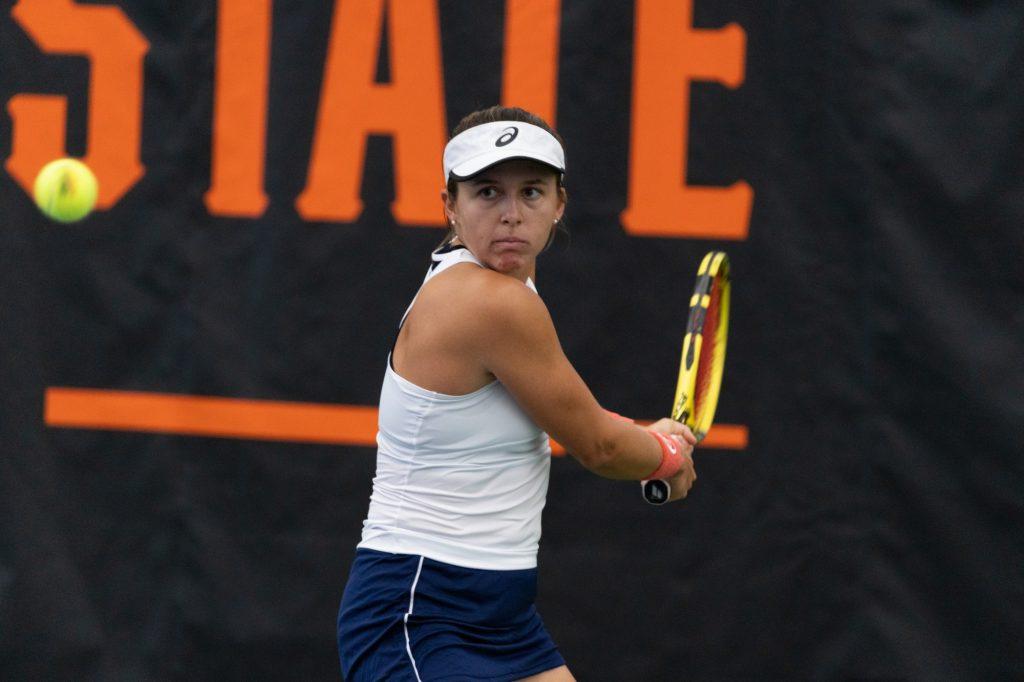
[(406, 617)]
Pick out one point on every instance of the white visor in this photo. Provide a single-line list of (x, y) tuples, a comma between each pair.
[(482, 146)]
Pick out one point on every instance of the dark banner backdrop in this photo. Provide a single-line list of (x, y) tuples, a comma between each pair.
[(872, 526)]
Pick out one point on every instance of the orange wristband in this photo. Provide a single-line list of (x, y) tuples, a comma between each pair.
[(671, 458)]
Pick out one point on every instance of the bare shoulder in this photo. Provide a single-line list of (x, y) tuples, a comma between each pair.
[(481, 295), (465, 323), (477, 313)]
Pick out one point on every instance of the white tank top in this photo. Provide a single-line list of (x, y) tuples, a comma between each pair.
[(460, 479)]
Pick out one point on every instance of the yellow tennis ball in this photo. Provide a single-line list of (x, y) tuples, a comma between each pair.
[(65, 190)]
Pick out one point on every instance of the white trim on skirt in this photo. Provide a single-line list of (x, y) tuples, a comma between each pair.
[(405, 621)]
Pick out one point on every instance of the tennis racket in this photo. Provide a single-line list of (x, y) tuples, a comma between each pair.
[(703, 359)]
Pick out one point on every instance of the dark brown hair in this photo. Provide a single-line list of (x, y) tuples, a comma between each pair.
[(493, 115)]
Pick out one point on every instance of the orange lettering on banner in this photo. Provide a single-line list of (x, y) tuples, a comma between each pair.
[(115, 50), (668, 54), (410, 108), (530, 78), (240, 109)]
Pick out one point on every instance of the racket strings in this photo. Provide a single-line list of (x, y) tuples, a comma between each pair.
[(709, 339)]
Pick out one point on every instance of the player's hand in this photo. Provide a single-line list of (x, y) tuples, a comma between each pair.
[(681, 483), (670, 427)]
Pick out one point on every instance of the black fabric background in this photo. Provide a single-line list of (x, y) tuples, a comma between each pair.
[(874, 528)]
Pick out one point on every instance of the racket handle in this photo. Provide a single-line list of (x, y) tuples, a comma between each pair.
[(656, 491)]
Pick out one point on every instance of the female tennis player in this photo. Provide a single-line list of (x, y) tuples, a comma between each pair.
[(445, 576)]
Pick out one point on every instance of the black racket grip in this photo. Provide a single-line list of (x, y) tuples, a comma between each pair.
[(656, 491)]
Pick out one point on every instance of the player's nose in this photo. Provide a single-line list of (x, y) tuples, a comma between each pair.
[(511, 213)]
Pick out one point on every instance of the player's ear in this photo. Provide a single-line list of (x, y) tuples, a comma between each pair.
[(449, 206)]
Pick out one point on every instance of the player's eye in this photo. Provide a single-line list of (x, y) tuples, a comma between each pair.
[(532, 192), (487, 192)]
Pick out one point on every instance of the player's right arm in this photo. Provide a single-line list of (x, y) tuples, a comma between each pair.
[(515, 340)]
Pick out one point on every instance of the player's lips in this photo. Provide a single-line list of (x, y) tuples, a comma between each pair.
[(510, 245)]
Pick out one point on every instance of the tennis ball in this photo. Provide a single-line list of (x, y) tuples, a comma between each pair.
[(65, 190)]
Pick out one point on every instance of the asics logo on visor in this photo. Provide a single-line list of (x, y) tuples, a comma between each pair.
[(507, 135)]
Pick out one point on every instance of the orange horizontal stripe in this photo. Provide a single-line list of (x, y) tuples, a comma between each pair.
[(726, 437), (208, 416), (84, 408)]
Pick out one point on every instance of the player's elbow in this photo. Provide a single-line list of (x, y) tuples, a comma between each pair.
[(599, 456)]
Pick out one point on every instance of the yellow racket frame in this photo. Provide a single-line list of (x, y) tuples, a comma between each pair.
[(715, 264)]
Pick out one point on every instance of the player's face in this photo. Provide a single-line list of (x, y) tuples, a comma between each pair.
[(505, 215)]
